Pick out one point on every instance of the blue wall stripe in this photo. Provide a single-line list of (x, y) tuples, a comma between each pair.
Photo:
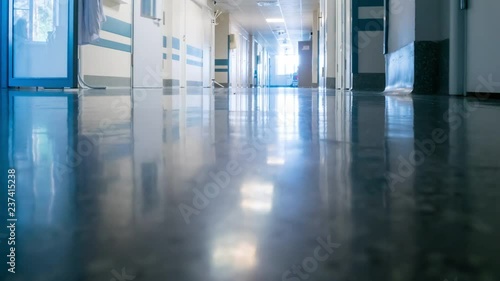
[(193, 51), (113, 45), (195, 63), (164, 56), (221, 62), (117, 27), (221, 70), (176, 57), (164, 41), (176, 43)]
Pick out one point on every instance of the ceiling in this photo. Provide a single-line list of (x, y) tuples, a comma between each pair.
[(276, 37)]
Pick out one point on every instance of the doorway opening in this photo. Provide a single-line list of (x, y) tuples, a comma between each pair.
[(284, 70)]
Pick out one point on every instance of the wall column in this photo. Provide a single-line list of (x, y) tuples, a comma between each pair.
[(222, 50), (330, 42)]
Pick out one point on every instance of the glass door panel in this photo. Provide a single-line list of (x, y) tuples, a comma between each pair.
[(42, 43)]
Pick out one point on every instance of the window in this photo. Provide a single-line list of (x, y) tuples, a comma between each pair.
[(286, 64), (35, 19), (148, 9)]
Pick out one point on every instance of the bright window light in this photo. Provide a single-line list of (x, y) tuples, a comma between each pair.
[(286, 64)]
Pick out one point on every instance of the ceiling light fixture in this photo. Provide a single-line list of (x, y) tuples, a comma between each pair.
[(275, 20), (268, 3)]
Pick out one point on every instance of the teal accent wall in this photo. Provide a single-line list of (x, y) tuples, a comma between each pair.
[(221, 62), (117, 27), (195, 52), (176, 43)]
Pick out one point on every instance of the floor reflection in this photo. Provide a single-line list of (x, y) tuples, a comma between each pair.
[(405, 184)]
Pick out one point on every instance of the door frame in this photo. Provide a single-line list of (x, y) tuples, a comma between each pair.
[(72, 51), (4, 34), (344, 42), (458, 48)]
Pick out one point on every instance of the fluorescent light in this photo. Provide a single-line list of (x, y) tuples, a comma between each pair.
[(275, 20), (268, 3)]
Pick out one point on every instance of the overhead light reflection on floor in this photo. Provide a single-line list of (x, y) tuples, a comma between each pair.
[(238, 255), (257, 197), (275, 161)]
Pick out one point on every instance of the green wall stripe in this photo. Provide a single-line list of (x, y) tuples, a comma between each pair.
[(113, 45), (221, 62)]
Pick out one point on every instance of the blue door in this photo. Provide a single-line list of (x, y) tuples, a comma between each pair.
[(42, 43)]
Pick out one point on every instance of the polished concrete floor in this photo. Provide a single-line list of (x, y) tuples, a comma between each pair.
[(268, 184)]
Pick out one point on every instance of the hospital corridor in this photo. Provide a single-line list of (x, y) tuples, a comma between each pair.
[(249, 140)]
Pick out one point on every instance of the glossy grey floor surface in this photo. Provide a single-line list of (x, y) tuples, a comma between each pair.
[(270, 184)]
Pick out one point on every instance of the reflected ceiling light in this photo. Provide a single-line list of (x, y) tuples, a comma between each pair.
[(275, 161), (268, 3), (237, 256), (257, 197), (276, 20), (257, 205)]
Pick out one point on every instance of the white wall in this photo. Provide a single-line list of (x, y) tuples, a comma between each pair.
[(187, 24), (98, 61), (186, 33), (315, 39), (221, 47), (401, 24), (331, 67), (483, 44), (239, 56)]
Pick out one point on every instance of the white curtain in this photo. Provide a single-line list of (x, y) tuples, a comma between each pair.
[(90, 19)]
